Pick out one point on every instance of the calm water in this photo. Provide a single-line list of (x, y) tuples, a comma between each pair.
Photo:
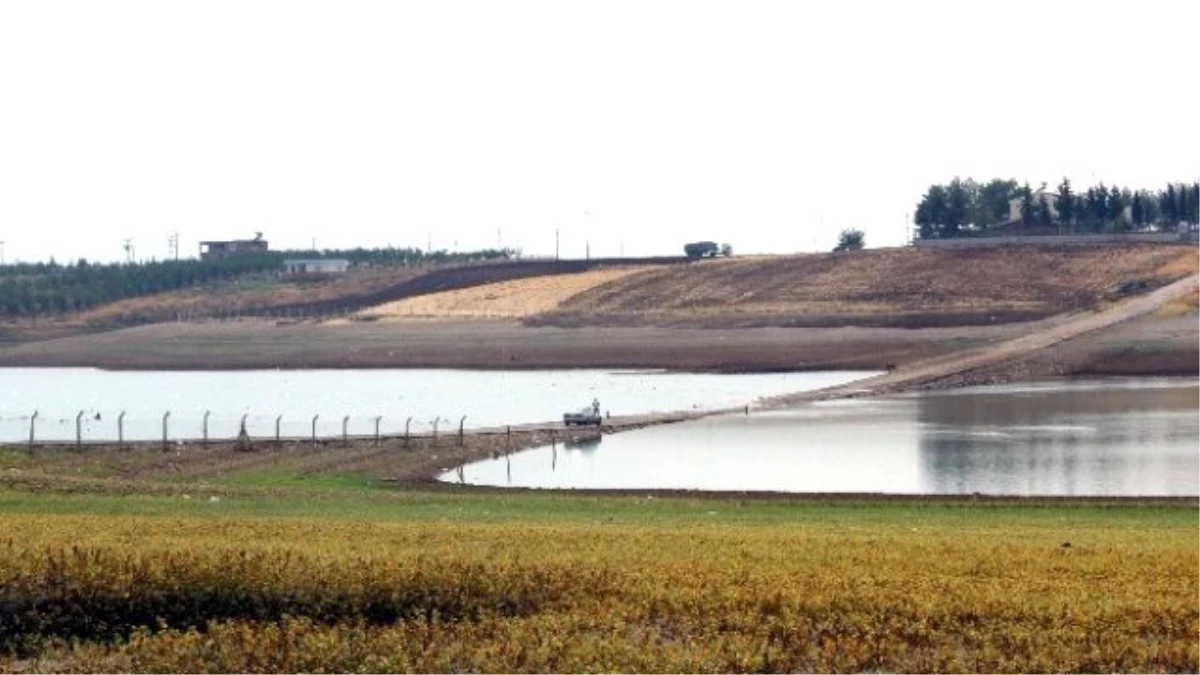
[(1129, 437), (487, 398)]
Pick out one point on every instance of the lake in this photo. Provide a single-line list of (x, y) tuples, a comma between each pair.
[(1101, 437), (486, 398)]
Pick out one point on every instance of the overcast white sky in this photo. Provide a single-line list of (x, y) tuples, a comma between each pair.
[(635, 125)]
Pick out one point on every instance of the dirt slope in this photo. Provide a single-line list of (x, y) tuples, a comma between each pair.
[(514, 299), (954, 366), (890, 287)]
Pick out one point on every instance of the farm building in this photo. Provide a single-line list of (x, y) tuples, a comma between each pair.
[(316, 266), (213, 250)]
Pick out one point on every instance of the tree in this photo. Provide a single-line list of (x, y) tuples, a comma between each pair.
[(992, 208), (1065, 203), (1137, 210), (1045, 216), (850, 240), (931, 213), (1026, 204), (1169, 206), (958, 204)]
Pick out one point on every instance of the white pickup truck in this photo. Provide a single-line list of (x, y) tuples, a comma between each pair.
[(589, 416)]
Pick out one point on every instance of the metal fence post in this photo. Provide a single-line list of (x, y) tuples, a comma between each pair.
[(121, 428), (79, 430), (460, 430), (277, 418), (166, 416), (406, 423), (435, 423), (314, 427), (206, 414), (32, 420), (377, 418), (345, 422)]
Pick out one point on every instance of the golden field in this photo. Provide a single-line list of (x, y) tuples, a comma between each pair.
[(543, 583)]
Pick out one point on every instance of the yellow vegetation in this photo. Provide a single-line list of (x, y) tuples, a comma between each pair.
[(507, 299), (261, 595)]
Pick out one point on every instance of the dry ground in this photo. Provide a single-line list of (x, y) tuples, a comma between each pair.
[(886, 287), (496, 344), (867, 310), (516, 299)]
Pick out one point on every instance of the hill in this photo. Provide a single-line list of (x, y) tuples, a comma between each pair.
[(887, 287)]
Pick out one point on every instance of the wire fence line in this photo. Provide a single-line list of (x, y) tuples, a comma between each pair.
[(89, 428), (92, 429)]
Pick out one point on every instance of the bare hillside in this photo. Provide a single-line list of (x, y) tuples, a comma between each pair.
[(894, 287), (513, 299)]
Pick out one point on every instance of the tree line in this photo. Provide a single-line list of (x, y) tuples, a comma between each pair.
[(50, 288), (964, 208)]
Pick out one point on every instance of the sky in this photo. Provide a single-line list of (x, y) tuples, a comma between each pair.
[(627, 127)]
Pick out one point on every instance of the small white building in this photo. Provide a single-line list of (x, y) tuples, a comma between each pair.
[(316, 266)]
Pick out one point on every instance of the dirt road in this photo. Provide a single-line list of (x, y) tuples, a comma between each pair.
[(930, 370)]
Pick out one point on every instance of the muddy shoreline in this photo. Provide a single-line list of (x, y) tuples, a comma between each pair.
[(192, 468)]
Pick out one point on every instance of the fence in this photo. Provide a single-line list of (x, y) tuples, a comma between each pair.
[(85, 429), (1188, 237)]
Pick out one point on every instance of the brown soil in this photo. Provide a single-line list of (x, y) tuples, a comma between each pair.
[(497, 344), (888, 287)]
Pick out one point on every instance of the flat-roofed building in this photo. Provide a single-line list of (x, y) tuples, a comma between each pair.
[(212, 250), (316, 266)]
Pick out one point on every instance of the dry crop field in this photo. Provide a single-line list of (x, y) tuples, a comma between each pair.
[(337, 574)]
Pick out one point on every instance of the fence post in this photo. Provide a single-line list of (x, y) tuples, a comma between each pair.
[(435, 423), (345, 422), (277, 418), (377, 418), (314, 427), (32, 419), (460, 430), (206, 414), (406, 423), (79, 430), (121, 428), (166, 416), (507, 438)]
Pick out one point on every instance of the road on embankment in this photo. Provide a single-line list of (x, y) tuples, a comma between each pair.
[(921, 373)]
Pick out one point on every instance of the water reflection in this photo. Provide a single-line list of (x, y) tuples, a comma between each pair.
[(1082, 440), (1129, 437)]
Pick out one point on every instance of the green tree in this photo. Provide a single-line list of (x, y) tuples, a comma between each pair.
[(850, 240), (1137, 210), (1027, 207), (930, 216), (994, 197), (1065, 204)]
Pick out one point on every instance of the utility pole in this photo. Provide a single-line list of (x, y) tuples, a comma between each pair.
[(173, 245), (556, 243), (128, 246), (1, 252)]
